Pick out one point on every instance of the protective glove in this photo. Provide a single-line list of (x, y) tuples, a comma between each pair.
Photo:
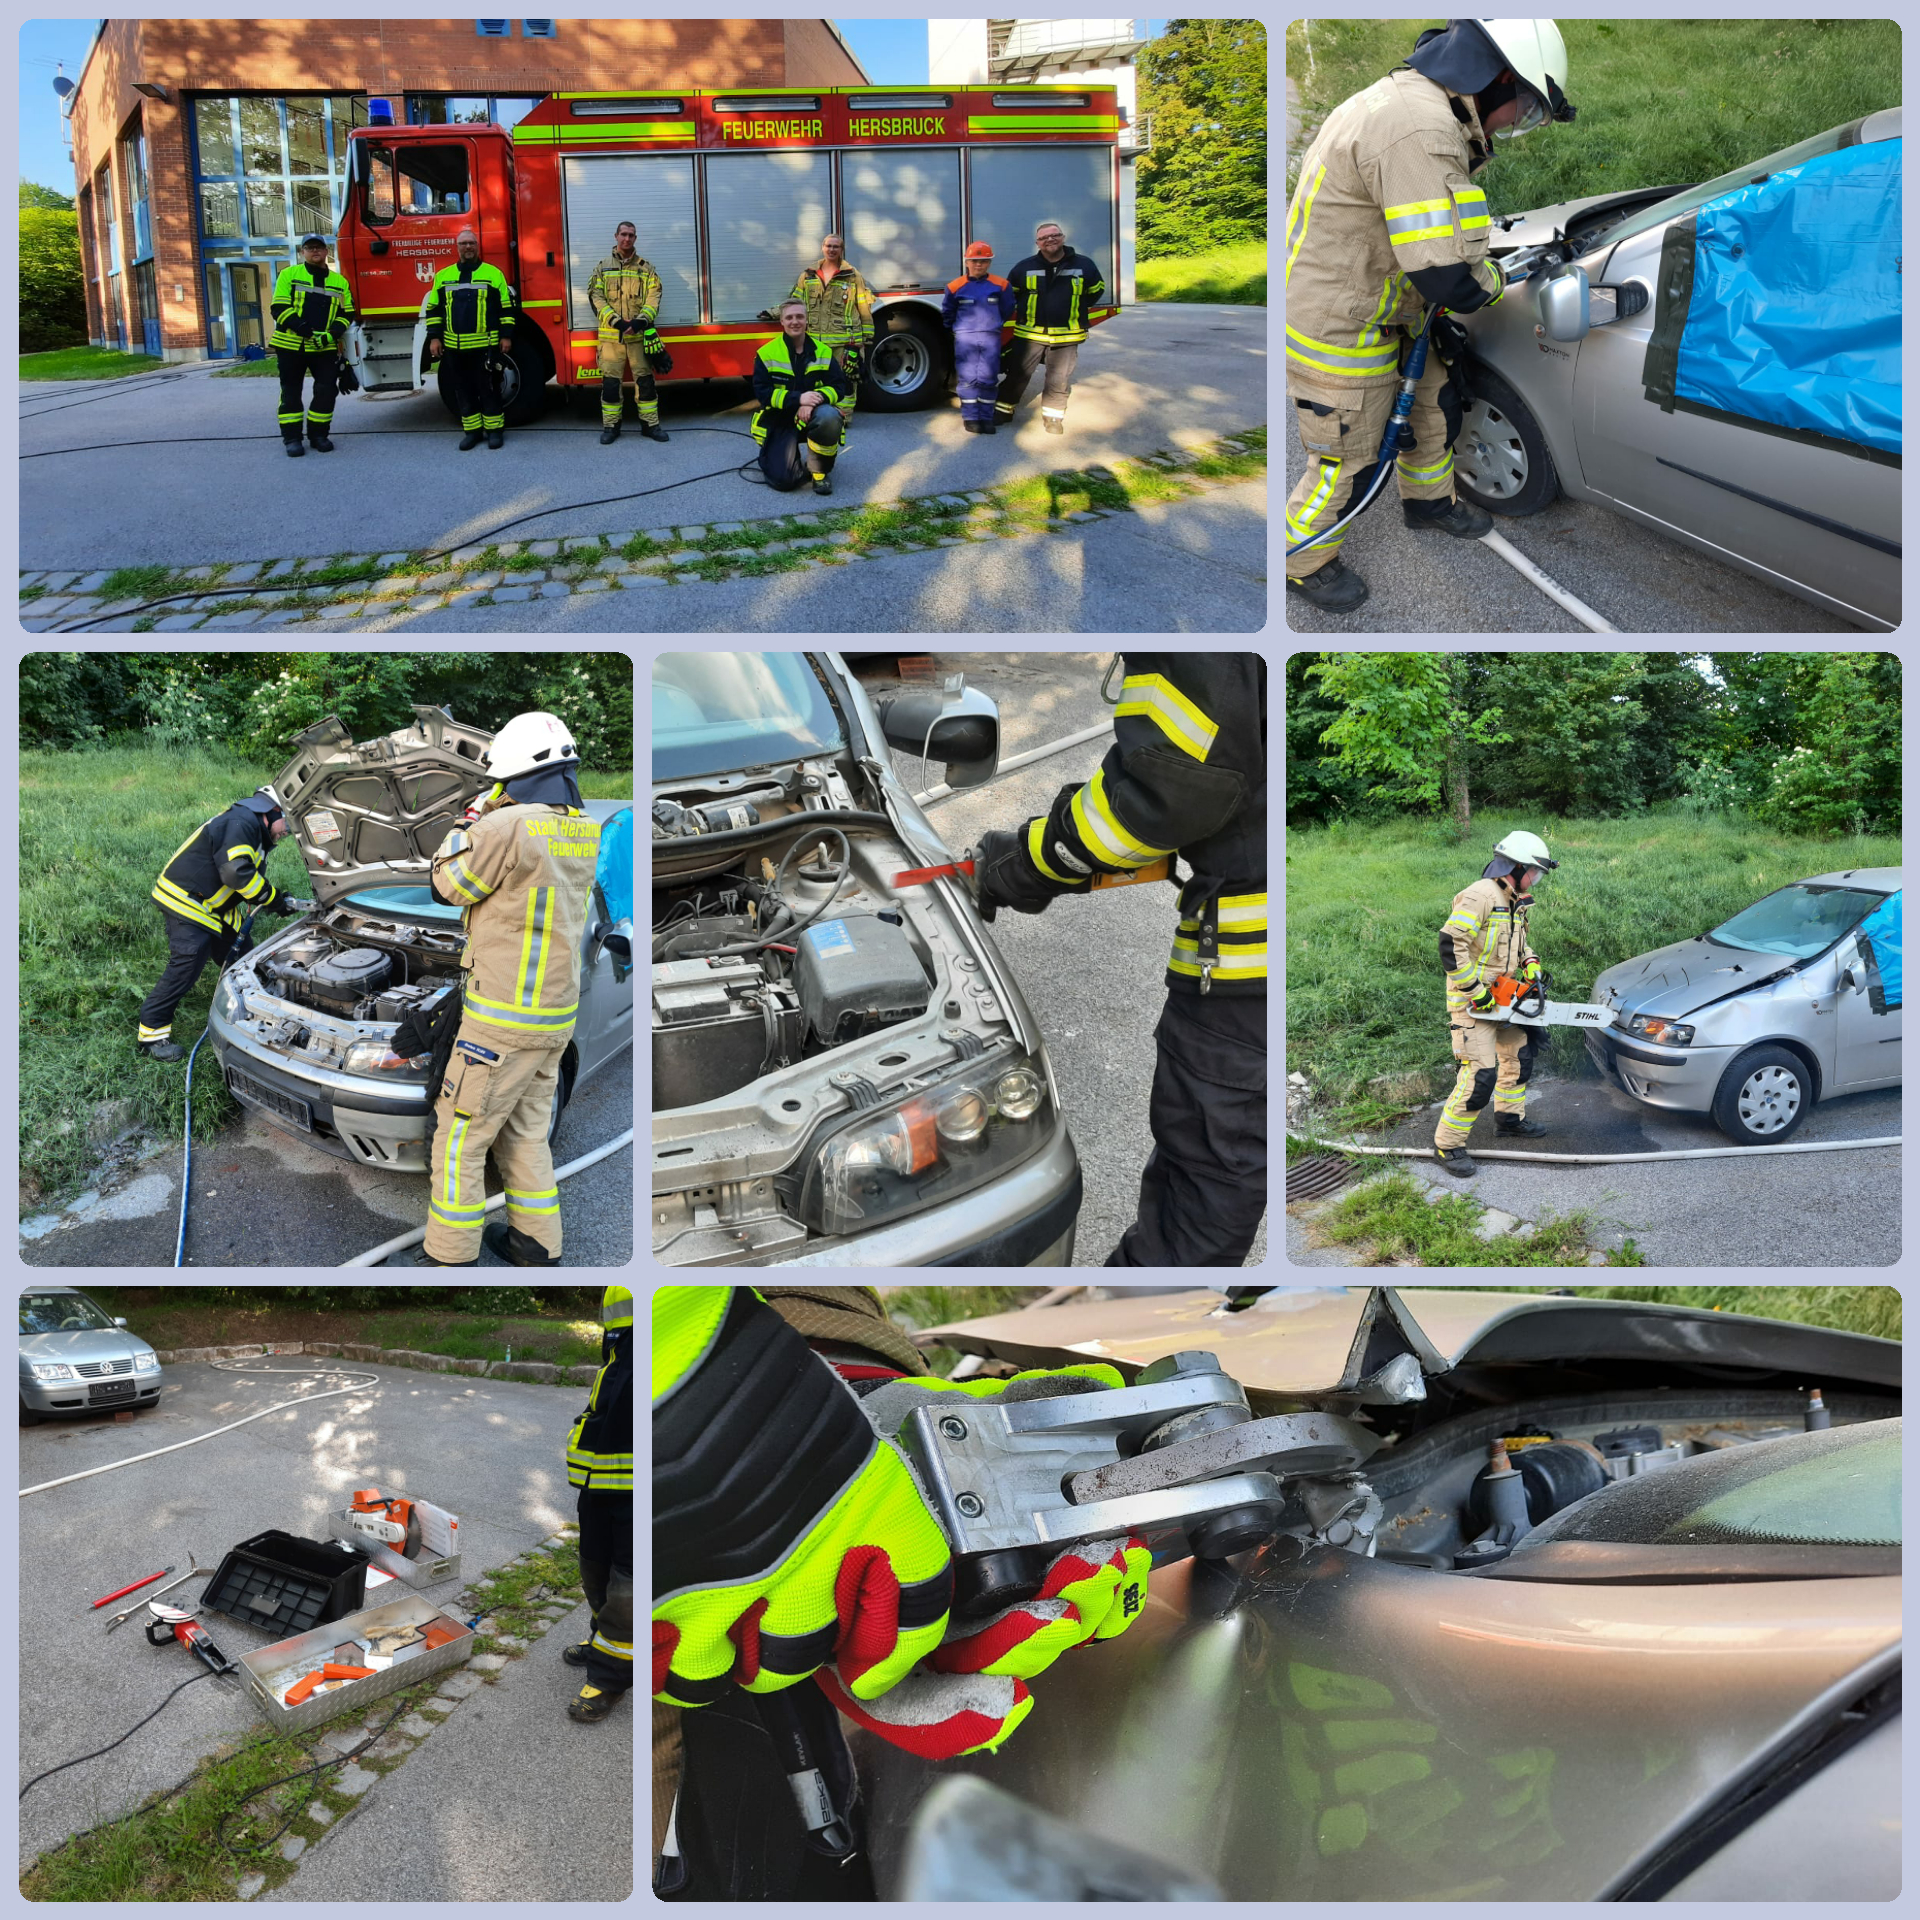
[(1483, 1000), (1448, 338), (1005, 876), (853, 366), (767, 317), (1533, 970), (283, 907)]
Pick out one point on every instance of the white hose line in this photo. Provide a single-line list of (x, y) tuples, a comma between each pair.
[(226, 1366), (1603, 1159), (1548, 584), (402, 1241), (933, 795)]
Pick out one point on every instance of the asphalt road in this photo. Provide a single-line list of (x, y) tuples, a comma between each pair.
[(264, 1198), (214, 485), (1091, 969), (1643, 582), (501, 1802)]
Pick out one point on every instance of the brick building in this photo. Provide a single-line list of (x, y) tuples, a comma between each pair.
[(203, 149)]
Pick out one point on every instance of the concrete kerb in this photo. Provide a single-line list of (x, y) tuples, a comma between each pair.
[(542, 1372)]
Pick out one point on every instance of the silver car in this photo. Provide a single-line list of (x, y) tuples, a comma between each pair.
[(76, 1359), (1794, 1000), (1561, 403), (303, 1024), (844, 1073)]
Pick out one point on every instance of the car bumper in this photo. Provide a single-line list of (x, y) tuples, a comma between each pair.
[(1682, 1078), (375, 1125), (89, 1396)]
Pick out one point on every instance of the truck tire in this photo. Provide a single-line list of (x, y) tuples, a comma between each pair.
[(910, 364), (1500, 460)]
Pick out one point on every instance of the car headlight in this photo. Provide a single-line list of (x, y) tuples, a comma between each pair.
[(146, 1363), (377, 1057), (229, 1002), (52, 1370), (934, 1145), (1653, 1026)]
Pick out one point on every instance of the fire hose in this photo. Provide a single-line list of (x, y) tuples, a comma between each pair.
[(1601, 1159)]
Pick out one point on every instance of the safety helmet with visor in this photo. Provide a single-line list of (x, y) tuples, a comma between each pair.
[(1467, 56), (1526, 850), (528, 743)]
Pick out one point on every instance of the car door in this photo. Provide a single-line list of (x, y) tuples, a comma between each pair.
[(1867, 1019), (606, 1002)]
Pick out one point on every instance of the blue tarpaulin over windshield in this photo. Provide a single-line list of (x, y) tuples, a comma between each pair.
[(1882, 928), (615, 872), (1795, 310)]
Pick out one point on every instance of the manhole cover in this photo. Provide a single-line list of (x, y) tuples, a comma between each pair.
[(1317, 1177)]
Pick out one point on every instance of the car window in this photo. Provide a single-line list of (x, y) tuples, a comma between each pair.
[(719, 712), (1797, 922), (60, 1313)]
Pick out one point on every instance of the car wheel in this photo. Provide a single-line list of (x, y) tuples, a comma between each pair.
[(28, 1416), (1763, 1097), (1500, 460)]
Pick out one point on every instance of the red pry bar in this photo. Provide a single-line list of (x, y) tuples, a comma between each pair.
[(919, 876)]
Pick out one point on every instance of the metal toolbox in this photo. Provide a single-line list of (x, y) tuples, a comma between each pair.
[(269, 1670)]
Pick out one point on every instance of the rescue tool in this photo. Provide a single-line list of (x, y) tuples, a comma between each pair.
[(108, 1598), (1524, 1003), (919, 876), (126, 1613)]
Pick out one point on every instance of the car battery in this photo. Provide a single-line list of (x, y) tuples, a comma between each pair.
[(717, 1020), (857, 974)]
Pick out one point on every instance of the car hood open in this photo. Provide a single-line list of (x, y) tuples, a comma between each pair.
[(371, 815)]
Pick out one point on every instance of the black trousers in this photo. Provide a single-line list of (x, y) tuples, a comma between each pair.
[(476, 387), (1204, 1188), (1025, 355), (606, 1572), (791, 453), (296, 365), (188, 946)]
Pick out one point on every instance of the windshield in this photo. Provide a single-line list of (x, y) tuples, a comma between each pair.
[(61, 1313), (719, 712), (1797, 922)]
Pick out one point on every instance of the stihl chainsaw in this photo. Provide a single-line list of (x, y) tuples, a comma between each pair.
[(390, 1521), (1525, 1004)]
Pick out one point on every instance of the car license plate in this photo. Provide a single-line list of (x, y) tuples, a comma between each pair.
[(251, 1093), (111, 1390)]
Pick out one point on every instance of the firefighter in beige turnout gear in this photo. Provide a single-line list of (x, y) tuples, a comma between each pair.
[(1385, 223), (1484, 937), (625, 293), (523, 873)]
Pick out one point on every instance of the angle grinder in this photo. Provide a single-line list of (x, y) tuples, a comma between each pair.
[(175, 1623)]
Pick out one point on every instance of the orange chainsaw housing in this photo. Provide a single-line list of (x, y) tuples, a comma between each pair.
[(398, 1512)]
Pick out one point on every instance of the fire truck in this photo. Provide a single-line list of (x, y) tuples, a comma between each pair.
[(731, 193)]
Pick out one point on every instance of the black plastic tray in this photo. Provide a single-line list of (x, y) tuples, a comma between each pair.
[(286, 1585)]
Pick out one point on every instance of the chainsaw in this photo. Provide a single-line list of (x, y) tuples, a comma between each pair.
[(391, 1522), (1525, 1004)]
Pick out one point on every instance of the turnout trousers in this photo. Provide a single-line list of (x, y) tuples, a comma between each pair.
[(606, 1572), (1496, 1058), (622, 364), (1340, 432), (1022, 357), (475, 387), (976, 366), (188, 946), (791, 453), (1204, 1188), (505, 1103), (296, 365)]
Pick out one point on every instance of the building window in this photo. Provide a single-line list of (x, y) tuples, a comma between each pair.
[(134, 147), (494, 29), (469, 109), (146, 307), (269, 169), (539, 29), (416, 180)]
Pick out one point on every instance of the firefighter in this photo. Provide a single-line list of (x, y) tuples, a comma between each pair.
[(1055, 290), (976, 307), (1484, 938), (1187, 773), (312, 307), (471, 328), (625, 293), (840, 316), (600, 1464), (1384, 225), (801, 424), (522, 873), (215, 878)]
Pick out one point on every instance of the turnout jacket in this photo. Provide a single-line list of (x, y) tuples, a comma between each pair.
[(840, 310), (218, 875), (309, 306), (1484, 936), (782, 372), (1054, 300), (600, 1447), (523, 879), (978, 306), (469, 307), (1385, 220), (1186, 774), (624, 290)]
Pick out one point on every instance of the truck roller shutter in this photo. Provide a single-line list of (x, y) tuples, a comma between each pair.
[(765, 215), (903, 215), (1013, 187), (655, 192)]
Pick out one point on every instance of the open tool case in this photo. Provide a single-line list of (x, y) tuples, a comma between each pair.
[(270, 1671)]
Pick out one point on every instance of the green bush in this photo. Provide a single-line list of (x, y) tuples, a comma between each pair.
[(53, 296)]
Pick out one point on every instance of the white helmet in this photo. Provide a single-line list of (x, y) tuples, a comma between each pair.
[(1526, 850), (1538, 55), (529, 743)]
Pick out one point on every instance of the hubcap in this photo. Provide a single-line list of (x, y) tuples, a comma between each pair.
[(900, 363), (1489, 455), (1769, 1100)]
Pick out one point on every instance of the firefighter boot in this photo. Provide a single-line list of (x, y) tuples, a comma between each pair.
[(1457, 1161), (610, 433), (161, 1050), (496, 438), (1330, 588), (823, 483), (471, 439), (295, 450), (594, 1704), (1517, 1125), (419, 1257), (653, 430), (1456, 517), (517, 1249), (577, 1656)]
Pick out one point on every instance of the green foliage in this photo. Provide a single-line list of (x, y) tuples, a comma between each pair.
[(1391, 1217), (32, 194), (1204, 182), (1399, 715), (86, 363), (1224, 276), (916, 1307), (1847, 770), (53, 297)]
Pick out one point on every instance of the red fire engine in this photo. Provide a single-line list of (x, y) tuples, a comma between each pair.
[(731, 193)]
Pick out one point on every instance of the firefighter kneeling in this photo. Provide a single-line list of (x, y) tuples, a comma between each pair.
[(522, 870)]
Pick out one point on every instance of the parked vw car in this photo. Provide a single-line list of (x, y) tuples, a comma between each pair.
[(1677, 1676), (844, 1074), (1794, 1000), (1581, 375), (303, 1024), (76, 1359)]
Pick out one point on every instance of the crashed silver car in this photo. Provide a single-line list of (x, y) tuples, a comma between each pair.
[(303, 1024), (1608, 1610), (844, 1073)]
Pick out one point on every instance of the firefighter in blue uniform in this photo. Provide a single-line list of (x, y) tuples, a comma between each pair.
[(1186, 775), (976, 307), (600, 1464)]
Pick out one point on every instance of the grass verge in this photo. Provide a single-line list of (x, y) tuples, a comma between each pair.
[(85, 363), (1225, 276), (1393, 1223), (268, 369)]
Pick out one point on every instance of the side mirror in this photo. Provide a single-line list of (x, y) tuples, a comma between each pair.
[(618, 941), (1564, 309), (119, 1323), (961, 728)]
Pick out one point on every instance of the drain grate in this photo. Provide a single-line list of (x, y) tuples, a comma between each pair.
[(1313, 1179)]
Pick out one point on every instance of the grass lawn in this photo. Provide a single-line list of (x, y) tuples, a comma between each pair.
[(1659, 101), (1365, 1000), (267, 369), (85, 363), (1227, 276), (95, 830)]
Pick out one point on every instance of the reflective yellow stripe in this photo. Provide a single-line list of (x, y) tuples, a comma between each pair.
[(1234, 963), (1301, 523), (1099, 827), (1036, 843), (1298, 235), (185, 905), (1383, 358), (1421, 474), (1159, 700)]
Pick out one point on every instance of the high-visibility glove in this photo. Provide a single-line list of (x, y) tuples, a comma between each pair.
[(853, 365), (1483, 1000), (1533, 970), (1004, 875), (786, 1534)]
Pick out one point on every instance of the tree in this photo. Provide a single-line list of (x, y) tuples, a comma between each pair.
[(53, 294), (1204, 181), (32, 194)]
